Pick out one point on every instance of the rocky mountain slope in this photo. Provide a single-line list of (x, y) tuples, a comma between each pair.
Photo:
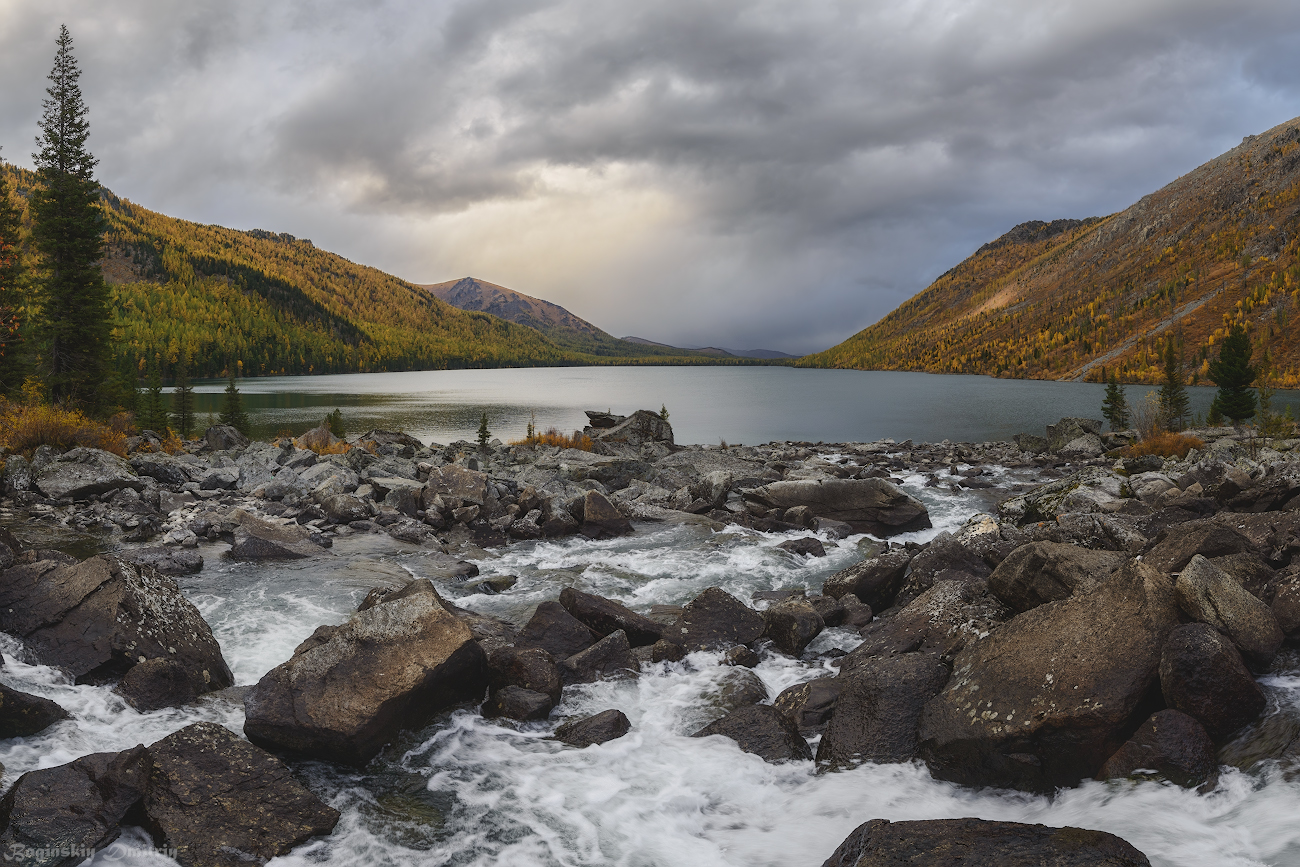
[(1061, 300)]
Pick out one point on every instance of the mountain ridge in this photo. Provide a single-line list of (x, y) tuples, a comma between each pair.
[(1215, 247)]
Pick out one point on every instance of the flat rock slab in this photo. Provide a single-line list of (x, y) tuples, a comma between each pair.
[(716, 619), (873, 506), (257, 539), (82, 473), (219, 801), (980, 843), (349, 689), (167, 561)]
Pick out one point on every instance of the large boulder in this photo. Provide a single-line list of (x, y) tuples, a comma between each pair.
[(945, 558), (792, 624), (555, 630), (1045, 699), (1091, 490), (609, 657), (874, 506), (259, 539), (99, 618), (344, 509), (1049, 571), (1207, 594), (941, 621), (167, 561), (878, 709), (809, 705), (762, 730), (1170, 743), (155, 684), (875, 581), (82, 473), (456, 482), (218, 801), (349, 689), (980, 843), (318, 439), (601, 519), (22, 714), (223, 437), (529, 668), (1203, 675), (1207, 538), (605, 616), (715, 619), (1062, 434), (63, 815)]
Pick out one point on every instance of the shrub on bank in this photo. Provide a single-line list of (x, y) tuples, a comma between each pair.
[(25, 428), (1166, 444), (552, 437)]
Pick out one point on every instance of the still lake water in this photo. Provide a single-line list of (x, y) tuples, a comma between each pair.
[(706, 404)]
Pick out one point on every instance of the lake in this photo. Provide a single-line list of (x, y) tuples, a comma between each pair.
[(706, 404)]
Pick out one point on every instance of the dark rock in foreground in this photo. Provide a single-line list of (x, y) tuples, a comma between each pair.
[(1170, 743), (716, 619), (349, 689), (1043, 572), (878, 710), (873, 506), (555, 630), (517, 703), (980, 843), (22, 714), (219, 801), (155, 684), (1203, 675), (76, 807), (809, 705), (762, 730), (604, 616), (605, 726), (97, 619)]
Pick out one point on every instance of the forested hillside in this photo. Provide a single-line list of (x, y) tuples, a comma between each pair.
[(1061, 300), (270, 303)]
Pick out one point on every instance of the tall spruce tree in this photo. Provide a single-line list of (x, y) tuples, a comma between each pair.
[(1174, 404), (152, 414), (1115, 405), (1233, 374), (182, 420), (12, 369), (67, 230), (232, 410)]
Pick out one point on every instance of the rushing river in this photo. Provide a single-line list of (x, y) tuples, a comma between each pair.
[(706, 404), (469, 791)]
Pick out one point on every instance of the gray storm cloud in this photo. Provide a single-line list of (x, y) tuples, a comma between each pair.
[(747, 174)]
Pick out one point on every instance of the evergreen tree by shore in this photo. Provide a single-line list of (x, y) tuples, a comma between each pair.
[(1174, 404), (232, 410), (73, 326), (1233, 374), (1115, 405), (183, 398)]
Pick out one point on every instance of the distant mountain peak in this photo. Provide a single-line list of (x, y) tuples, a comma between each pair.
[(471, 293)]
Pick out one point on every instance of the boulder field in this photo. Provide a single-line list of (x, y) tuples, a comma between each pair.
[(1106, 620)]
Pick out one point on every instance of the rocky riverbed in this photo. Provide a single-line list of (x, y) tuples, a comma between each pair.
[(650, 653)]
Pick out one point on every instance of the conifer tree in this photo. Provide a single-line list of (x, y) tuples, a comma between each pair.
[(1174, 404), (334, 421), (183, 399), (484, 435), (232, 411), (1233, 374), (1115, 405), (12, 370), (153, 409), (67, 231)]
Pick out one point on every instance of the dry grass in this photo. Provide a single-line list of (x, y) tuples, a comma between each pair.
[(339, 448), (1165, 444), (26, 428), (552, 437), (172, 444)]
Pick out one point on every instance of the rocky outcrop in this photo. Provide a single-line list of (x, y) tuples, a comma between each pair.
[(81, 474), (555, 630), (1203, 675), (875, 581), (878, 710), (1043, 572), (978, 842), (605, 726), (349, 689), (1046, 698), (643, 426), (167, 561), (941, 621), (600, 519), (809, 705), (873, 505), (219, 801), (258, 539), (155, 684), (716, 619), (517, 703), (792, 625), (223, 437), (99, 618), (609, 657), (762, 730), (1207, 538), (1170, 743)]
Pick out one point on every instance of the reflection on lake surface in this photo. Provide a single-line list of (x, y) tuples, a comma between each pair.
[(707, 404)]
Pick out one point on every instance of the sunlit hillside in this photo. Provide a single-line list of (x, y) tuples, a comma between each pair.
[(1061, 300)]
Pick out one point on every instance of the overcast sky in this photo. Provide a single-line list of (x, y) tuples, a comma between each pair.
[(744, 174)]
